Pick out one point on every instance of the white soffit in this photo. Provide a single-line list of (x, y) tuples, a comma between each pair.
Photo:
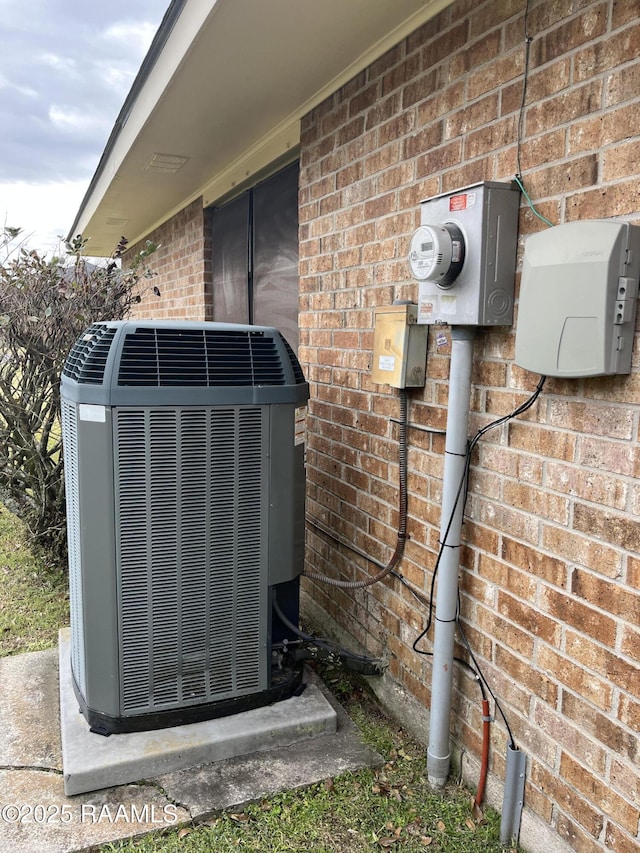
[(224, 99)]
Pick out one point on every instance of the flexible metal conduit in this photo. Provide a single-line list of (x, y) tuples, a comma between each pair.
[(402, 521)]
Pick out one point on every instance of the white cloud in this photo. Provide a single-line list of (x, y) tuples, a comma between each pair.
[(118, 78), (44, 212), (77, 121), (64, 64), (138, 35), (65, 69), (27, 91)]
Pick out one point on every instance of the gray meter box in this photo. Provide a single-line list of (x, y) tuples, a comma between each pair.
[(464, 255), (578, 297)]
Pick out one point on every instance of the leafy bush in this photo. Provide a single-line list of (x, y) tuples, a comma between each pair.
[(45, 305)]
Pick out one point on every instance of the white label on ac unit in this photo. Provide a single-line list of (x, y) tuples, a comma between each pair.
[(300, 428), (387, 362), (97, 414)]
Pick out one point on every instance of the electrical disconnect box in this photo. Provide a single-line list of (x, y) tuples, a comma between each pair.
[(399, 347), (464, 255), (578, 297)]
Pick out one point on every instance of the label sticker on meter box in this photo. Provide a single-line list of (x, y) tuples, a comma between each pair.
[(426, 309), (462, 201), (448, 303)]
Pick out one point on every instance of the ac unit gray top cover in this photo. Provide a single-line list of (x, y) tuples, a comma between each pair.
[(181, 363)]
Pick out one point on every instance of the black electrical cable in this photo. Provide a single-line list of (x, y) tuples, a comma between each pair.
[(484, 681), (402, 521), (423, 600), (525, 80), (463, 487), (373, 665), (313, 522)]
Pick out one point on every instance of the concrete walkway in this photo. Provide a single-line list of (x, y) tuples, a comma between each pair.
[(36, 816)]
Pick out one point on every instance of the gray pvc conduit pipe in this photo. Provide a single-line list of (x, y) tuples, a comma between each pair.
[(438, 753), (402, 521)]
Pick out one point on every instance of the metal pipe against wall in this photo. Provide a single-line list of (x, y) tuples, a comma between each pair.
[(438, 753), (513, 799)]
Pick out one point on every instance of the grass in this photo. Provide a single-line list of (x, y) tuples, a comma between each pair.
[(387, 808), (34, 601), (345, 815)]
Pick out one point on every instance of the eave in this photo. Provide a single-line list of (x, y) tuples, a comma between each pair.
[(220, 96)]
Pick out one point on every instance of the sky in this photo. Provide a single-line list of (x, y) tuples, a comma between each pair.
[(66, 67)]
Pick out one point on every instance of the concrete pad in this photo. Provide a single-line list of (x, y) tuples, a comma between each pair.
[(36, 815), (30, 734), (92, 761), (234, 783)]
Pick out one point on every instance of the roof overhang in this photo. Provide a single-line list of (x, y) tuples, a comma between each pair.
[(220, 96)]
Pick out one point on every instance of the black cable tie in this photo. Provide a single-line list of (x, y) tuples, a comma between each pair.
[(451, 453), (446, 544), (446, 621)]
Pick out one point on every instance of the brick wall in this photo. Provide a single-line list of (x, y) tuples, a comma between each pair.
[(550, 579), (182, 267)]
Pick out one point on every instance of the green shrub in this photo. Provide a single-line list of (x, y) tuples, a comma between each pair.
[(45, 305)]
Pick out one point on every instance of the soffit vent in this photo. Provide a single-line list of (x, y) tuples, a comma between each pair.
[(88, 358), (160, 357), (166, 163)]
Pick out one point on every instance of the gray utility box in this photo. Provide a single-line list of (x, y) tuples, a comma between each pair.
[(464, 255), (184, 468), (578, 299)]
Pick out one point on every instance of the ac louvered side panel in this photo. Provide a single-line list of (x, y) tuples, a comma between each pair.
[(195, 499), (72, 494), (87, 361), (246, 592), (191, 495), (293, 359), (132, 510)]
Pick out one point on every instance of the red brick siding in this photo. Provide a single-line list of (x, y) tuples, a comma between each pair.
[(182, 267), (550, 577)]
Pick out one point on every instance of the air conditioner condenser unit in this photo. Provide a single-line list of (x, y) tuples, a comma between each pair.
[(184, 471)]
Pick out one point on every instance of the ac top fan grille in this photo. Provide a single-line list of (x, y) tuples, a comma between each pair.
[(196, 357)]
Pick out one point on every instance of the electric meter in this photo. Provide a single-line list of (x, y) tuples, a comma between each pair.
[(437, 253), (464, 255)]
